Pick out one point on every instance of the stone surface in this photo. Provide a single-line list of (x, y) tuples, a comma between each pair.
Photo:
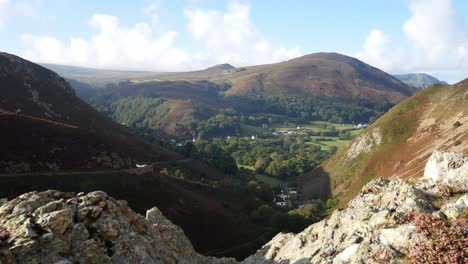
[(362, 233), (56, 227), (364, 143), (457, 209), (448, 168)]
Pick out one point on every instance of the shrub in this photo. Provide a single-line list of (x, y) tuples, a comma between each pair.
[(457, 124), (332, 202), (445, 243), (457, 142)]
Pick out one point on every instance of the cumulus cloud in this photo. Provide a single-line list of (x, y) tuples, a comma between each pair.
[(437, 42), (225, 37), (112, 46), (377, 49), (230, 37), (438, 30)]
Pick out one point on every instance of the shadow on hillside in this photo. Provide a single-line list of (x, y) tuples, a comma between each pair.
[(316, 184)]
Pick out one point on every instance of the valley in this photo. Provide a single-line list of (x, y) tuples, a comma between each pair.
[(261, 159), (233, 132)]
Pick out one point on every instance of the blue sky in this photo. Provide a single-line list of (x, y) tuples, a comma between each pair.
[(398, 36)]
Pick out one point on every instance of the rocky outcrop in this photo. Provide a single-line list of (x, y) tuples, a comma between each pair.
[(57, 227), (364, 144), (373, 228), (448, 169)]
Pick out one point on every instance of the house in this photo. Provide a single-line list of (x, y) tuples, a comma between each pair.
[(279, 201), (361, 125), (292, 191)]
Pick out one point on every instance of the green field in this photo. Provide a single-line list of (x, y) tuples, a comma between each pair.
[(273, 182), (325, 145), (321, 126)]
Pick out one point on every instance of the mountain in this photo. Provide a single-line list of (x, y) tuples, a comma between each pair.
[(323, 86), (400, 142), (224, 66), (45, 126), (319, 74), (390, 221), (322, 75), (419, 80)]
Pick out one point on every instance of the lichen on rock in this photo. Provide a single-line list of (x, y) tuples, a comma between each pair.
[(57, 227)]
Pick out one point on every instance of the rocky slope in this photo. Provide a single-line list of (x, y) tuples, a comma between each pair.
[(390, 220), (400, 142), (57, 227)]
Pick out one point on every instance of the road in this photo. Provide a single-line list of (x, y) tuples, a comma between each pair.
[(68, 173)]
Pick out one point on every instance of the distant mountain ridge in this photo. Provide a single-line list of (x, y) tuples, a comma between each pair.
[(319, 74), (224, 66), (419, 80)]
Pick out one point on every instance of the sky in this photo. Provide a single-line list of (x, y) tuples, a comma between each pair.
[(398, 36)]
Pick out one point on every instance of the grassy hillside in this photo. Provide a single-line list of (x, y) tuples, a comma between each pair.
[(320, 74), (400, 142)]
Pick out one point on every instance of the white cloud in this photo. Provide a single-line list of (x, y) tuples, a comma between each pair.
[(437, 42), (230, 37), (378, 51), (112, 46), (224, 37), (437, 29)]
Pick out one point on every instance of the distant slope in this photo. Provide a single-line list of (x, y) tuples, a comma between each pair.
[(319, 74), (400, 142), (97, 77), (45, 126), (224, 66), (83, 90), (167, 106), (419, 80)]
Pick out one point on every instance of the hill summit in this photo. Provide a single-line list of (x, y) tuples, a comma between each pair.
[(223, 66)]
